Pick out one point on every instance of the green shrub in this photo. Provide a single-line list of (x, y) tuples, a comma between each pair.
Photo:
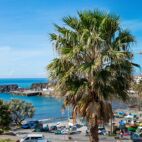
[(1, 131), (6, 140)]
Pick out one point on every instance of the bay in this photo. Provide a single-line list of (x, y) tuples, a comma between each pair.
[(46, 107)]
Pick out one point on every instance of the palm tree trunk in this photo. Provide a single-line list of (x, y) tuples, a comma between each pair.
[(111, 127), (139, 99), (94, 132), (139, 106), (111, 121)]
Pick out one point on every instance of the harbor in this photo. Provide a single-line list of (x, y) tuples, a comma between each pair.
[(70, 71)]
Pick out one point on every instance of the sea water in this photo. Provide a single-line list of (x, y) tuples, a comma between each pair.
[(22, 82), (46, 107)]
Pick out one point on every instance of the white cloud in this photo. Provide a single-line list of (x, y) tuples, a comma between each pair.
[(30, 62)]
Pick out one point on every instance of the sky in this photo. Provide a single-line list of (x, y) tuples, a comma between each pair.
[(25, 46)]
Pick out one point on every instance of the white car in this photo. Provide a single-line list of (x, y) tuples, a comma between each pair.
[(34, 138)]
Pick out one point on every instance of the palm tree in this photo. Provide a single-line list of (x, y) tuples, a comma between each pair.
[(94, 65)]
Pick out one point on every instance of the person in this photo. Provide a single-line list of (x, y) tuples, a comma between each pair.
[(122, 124), (121, 133)]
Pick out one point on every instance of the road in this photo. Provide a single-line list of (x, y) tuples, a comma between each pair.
[(64, 138)]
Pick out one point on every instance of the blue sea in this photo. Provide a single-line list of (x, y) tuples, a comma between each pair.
[(23, 82), (46, 107)]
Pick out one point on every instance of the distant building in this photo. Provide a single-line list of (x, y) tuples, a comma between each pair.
[(137, 78)]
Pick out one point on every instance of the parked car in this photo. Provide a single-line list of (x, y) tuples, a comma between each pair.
[(34, 138), (139, 129), (65, 131), (74, 130), (136, 137), (58, 132), (101, 131), (78, 125), (41, 128), (52, 129), (30, 125)]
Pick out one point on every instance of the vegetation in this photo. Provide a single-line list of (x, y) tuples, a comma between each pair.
[(15, 111), (6, 140), (5, 118), (137, 87), (20, 110), (94, 65)]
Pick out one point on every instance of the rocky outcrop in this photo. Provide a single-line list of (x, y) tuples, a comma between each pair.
[(8, 88), (39, 86)]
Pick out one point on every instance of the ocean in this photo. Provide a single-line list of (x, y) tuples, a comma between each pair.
[(22, 82), (46, 107)]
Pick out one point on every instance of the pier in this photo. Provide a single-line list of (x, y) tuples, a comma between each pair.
[(27, 93)]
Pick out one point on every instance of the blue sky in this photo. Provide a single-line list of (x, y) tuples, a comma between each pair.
[(25, 47)]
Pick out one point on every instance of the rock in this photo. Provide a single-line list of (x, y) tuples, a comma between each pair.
[(8, 88), (39, 86)]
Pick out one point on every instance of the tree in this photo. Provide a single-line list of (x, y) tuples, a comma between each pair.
[(137, 87), (5, 116), (20, 110), (94, 65)]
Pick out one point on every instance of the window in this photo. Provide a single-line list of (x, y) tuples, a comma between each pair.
[(27, 138), (36, 138)]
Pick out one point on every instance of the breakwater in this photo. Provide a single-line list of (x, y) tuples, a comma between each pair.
[(8, 88), (27, 93), (35, 90)]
